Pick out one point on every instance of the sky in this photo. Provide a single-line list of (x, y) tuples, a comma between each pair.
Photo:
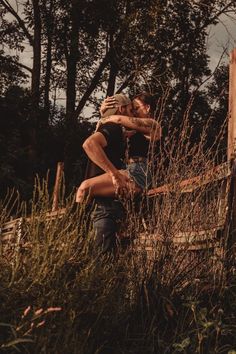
[(220, 37)]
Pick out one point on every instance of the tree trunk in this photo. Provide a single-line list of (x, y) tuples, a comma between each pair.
[(50, 28), (113, 69), (112, 79), (93, 84), (71, 59), (35, 86), (36, 71), (95, 80)]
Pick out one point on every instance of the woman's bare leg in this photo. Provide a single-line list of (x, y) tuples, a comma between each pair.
[(102, 186)]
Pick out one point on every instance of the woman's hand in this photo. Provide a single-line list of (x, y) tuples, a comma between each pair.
[(109, 102), (120, 182), (129, 133)]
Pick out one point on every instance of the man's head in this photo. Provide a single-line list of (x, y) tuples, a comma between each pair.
[(124, 106)]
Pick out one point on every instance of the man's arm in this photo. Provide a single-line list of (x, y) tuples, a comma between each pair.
[(94, 148)]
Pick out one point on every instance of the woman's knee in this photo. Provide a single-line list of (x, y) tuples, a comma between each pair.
[(83, 191), (85, 187)]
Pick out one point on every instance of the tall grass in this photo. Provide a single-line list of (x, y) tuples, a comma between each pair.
[(168, 298)]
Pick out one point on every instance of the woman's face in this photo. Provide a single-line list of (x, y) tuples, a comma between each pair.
[(140, 109)]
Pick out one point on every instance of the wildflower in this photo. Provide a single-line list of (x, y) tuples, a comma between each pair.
[(40, 324), (52, 309), (27, 310), (38, 312)]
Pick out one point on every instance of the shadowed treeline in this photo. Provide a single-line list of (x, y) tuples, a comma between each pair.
[(82, 52)]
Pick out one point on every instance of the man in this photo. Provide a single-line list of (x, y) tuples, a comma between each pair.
[(105, 149)]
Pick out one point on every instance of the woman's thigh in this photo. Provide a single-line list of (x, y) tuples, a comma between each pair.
[(102, 185), (132, 187)]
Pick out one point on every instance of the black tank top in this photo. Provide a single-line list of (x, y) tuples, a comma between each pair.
[(138, 145), (115, 149)]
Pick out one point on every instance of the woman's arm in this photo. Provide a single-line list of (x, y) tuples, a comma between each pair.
[(109, 102), (147, 126)]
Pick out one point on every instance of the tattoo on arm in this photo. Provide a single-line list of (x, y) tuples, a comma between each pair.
[(139, 122)]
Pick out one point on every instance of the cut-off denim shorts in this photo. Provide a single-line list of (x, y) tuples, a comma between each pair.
[(140, 174)]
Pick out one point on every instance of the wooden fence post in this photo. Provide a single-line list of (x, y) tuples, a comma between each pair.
[(232, 129), (231, 156), (232, 107), (60, 168)]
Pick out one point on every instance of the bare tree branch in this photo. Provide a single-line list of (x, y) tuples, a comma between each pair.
[(9, 8), (23, 66), (92, 85), (126, 82), (217, 15)]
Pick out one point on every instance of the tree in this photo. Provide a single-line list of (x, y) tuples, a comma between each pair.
[(88, 49)]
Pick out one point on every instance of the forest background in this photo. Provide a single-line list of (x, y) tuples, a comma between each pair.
[(78, 52)]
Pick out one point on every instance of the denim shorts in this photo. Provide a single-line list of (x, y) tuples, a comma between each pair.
[(140, 174)]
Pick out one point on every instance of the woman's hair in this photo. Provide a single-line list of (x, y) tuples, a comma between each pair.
[(149, 99)]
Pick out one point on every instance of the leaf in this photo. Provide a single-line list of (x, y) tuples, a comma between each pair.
[(5, 324), (181, 346), (17, 341)]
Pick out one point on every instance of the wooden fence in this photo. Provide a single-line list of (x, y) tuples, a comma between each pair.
[(212, 236), (11, 231)]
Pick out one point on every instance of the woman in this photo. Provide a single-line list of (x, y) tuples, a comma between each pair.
[(146, 130)]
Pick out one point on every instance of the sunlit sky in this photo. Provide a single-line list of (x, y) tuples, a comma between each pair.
[(220, 37)]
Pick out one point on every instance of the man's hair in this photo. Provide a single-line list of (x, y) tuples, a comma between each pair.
[(122, 101), (149, 99)]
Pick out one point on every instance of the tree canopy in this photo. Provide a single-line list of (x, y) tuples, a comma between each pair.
[(85, 50)]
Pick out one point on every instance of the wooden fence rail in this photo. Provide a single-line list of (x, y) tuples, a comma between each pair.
[(189, 185), (11, 230)]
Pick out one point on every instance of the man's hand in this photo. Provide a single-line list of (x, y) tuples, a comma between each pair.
[(120, 182)]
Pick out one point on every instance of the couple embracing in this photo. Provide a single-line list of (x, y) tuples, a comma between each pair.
[(116, 167)]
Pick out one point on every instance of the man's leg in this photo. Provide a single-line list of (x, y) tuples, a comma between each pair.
[(107, 217)]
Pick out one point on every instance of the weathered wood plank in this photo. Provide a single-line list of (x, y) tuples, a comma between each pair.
[(189, 185), (232, 107), (11, 230), (60, 168)]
